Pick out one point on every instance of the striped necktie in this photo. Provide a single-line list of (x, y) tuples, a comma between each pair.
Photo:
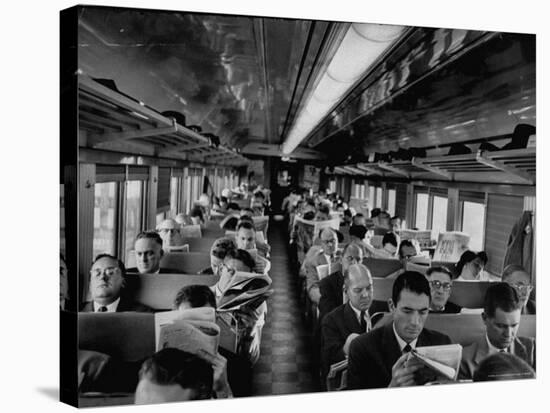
[(407, 349)]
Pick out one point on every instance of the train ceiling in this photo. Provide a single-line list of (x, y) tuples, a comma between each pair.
[(244, 79)]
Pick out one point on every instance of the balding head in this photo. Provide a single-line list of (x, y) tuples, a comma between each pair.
[(169, 231), (358, 285)]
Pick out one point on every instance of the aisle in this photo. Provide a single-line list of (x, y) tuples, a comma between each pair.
[(285, 365)]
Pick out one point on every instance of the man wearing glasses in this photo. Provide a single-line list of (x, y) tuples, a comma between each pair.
[(440, 279), (169, 231), (518, 278), (106, 284)]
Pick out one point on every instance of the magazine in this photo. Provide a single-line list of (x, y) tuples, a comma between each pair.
[(441, 363), (245, 289)]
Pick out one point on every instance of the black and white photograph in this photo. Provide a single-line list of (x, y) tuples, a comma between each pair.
[(288, 202)]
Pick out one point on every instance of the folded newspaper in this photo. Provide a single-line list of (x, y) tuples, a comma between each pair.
[(190, 330), (246, 289), (440, 363), (450, 246)]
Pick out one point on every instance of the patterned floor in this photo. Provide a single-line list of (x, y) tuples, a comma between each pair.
[(285, 365)]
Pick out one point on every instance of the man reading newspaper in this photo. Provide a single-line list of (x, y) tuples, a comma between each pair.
[(380, 358)]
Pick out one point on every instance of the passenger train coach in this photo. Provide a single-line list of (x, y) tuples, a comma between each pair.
[(259, 206)]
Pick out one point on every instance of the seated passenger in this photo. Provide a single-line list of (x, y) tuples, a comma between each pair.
[(357, 234), (379, 358), (148, 251), (503, 366), (252, 320), (218, 251), (173, 375), (470, 266), (197, 214), (107, 279), (182, 219), (359, 219), (326, 255), (395, 224), (441, 281), (347, 321), (322, 213), (332, 286), (239, 370), (246, 240), (389, 247), (501, 316), (518, 278), (169, 231)]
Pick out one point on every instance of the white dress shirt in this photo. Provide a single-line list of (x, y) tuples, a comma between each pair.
[(111, 308), (402, 343)]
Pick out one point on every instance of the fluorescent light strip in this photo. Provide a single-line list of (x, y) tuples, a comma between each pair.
[(361, 46)]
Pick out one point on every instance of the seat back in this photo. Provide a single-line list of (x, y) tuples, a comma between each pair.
[(382, 267), (158, 291), (469, 294), (202, 245), (382, 288), (191, 231)]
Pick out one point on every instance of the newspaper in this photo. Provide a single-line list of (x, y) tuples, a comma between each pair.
[(450, 246), (190, 330), (245, 289), (424, 238), (323, 270), (440, 363)]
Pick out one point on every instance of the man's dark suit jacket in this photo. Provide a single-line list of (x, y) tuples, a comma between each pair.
[(134, 270), (450, 308), (372, 356), (336, 327), (124, 304)]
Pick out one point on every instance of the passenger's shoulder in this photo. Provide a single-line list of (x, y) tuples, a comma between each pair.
[(436, 337)]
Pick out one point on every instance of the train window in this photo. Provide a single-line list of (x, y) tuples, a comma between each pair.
[(371, 196), (473, 223), (332, 185), (134, 213), (174, 191), (391, 201), (439, 215), (105, 215), (378, 197), (421, 211)]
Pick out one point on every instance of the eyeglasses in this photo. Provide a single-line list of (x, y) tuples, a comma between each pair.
[(329, 241), (109, 271), (438, 284), (169, 230), (351, 258), (522, 287)]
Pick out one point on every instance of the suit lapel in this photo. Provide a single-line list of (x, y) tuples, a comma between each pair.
[(390, 346), (350, 320), (482, 350), (519, 349)]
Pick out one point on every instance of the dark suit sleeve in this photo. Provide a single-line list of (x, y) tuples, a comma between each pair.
[(333, 343), (365, 365), (327, 303)]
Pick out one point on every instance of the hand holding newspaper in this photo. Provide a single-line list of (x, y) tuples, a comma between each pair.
[(440, 363)]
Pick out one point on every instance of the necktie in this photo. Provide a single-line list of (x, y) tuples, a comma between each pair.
[(407, 349), (363, 321), (102, 309)]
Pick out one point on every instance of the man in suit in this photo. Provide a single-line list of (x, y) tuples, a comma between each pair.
[(441, 281), (148, 250), (332, 286), (169, 231), (380, 358), (501, 316), (346, 322), (516, 276), (107, 280), (326, 255)]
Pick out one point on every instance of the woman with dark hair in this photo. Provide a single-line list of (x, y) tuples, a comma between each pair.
[(470, 266)]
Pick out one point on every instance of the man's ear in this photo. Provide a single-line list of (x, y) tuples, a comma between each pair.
[(484, 317), (161, 252), (391, 305)]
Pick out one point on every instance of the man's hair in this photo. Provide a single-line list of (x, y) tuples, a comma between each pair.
[(119, 262), (375, 212), (196, 211), (404, 243), (412, 281), (389, 238), (231, 224), (259, 194), (324, 209), (248, 209), (245, 225), (347, 213), (195, 296), (234, 206), (503, 296), (173, 366), (358, 231), (245, 218), (150, 235), (243, 256), (221, 247), (350, 245), (503, 366), (358, 265), (510, 269), (442, 269)]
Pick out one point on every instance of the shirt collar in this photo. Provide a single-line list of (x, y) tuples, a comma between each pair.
[(358, 314), (402, 343), (111, 308), (493, 349)]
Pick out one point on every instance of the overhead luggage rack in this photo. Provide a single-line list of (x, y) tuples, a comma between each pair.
[(114, 121), (516, 166)]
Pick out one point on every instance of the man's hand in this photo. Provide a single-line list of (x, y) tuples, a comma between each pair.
[(247, 317), (219, 366), (402, 372), (348, 342)]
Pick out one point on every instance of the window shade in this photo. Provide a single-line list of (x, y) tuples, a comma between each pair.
[(138, 173), (110, 173), (468, 196)]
